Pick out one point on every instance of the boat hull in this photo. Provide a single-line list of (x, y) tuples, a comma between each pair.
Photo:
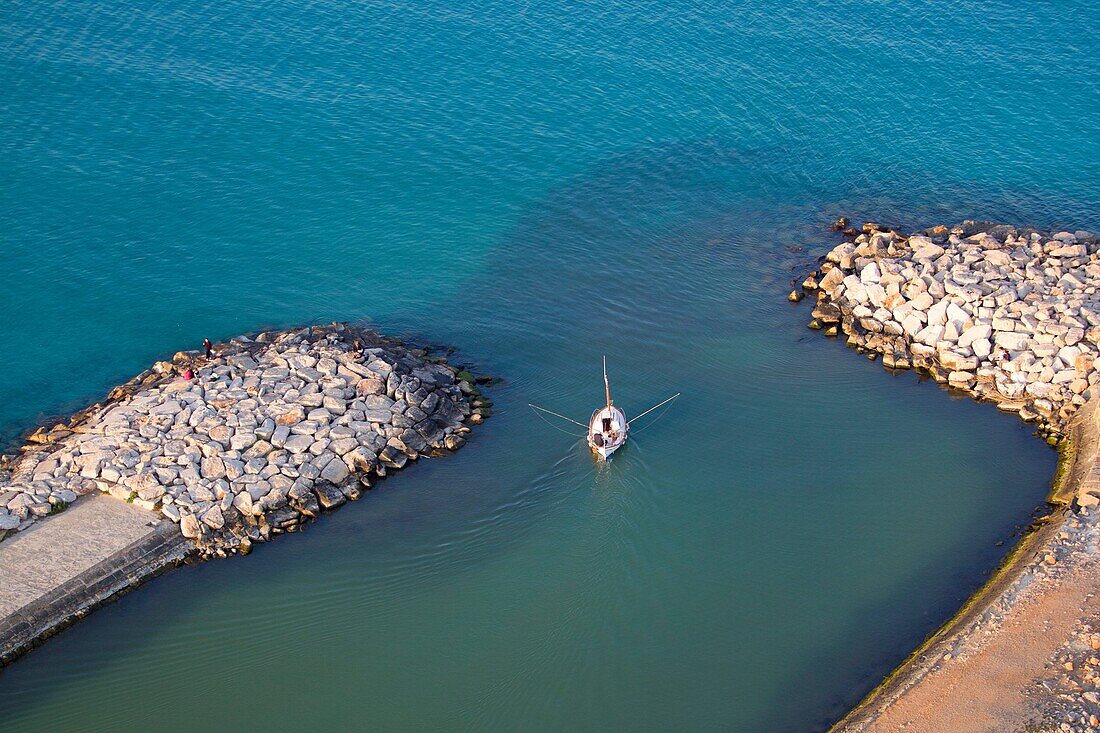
[(607, 431), (604, 452)]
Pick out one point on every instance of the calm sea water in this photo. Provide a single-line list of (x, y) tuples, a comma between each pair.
[(540, 184)]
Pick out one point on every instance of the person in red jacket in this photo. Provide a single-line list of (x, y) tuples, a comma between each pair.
[(208, 348)]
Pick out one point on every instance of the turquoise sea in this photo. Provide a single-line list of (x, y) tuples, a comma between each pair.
[(540, 184)]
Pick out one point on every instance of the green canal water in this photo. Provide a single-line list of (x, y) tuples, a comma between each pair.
[(540, 185)]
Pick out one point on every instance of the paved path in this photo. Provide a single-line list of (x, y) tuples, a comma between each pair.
[(67, 564), (65, 545)]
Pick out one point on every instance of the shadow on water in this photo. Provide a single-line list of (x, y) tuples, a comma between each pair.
[(692, 572)]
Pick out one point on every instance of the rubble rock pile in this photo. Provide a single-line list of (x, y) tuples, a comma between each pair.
[(1008, 314), (263, 436)]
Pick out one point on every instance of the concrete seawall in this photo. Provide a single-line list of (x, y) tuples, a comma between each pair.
[(76, 561)]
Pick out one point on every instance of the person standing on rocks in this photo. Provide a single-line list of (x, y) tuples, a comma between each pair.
[(208, 348)]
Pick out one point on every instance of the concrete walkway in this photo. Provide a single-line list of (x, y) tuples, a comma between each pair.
[(55, 572)]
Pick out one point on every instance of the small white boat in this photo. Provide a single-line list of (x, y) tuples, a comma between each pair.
[(608, 427)]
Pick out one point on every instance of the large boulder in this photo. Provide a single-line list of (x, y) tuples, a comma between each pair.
[(975, 332), (329, 495), (930, 335), (831, 280), (854, 290), (213, 517), (189, 526), (213, 467), (870, 274), (360, 459), (298, 443), (957, 362), (1011, 340), (335, 471)]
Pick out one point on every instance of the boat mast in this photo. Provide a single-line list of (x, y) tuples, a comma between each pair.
[(606, 384)]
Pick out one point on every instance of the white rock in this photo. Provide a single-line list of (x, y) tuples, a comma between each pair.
[(1038, 389), (956, 315), (911, 325), (926, 251), (930, 335), (975, 332), (343, 446), (1010, 340), (243, 502), (956, 361), (234, 468), (854, 290), (922, 302), (320, 415), (1064, 377), (279, 436), (960, 379), (862, 311), (361, 459), (266, 429), (335, 405), (66, 496), (189, 526), (870, 274), (242, 441), (937, 313), (1069, 354), (213, 517), (829, 283)]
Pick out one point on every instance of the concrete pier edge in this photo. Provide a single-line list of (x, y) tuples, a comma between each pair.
[(67, 603)]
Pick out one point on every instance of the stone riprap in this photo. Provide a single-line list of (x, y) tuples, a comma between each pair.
[(268, 432), (1007, 314)]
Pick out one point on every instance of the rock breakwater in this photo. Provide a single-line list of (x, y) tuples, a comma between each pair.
[(255, 439), (1006, 314)]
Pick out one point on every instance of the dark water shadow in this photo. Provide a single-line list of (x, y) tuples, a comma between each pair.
[(642, 244)]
